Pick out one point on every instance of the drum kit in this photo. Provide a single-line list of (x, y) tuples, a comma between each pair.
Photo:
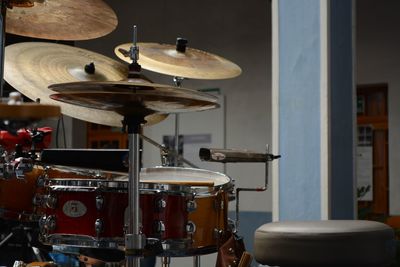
[(161, 211)]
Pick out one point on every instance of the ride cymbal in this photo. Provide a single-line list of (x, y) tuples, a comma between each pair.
[(62, 19), (133, 98), (192, 63), (31, 67)]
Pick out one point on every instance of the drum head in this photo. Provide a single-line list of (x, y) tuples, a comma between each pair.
[(188, 176)]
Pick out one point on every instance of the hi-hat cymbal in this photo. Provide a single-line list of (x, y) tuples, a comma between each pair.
[(192, 63), (62, 19), (31, 67), (133, 98)]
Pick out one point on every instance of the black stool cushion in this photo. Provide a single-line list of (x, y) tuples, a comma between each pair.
[(325, 243)]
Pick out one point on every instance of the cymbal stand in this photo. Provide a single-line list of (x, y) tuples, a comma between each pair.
[(178, 83), (4, 5), (134, 239), (180, 48)]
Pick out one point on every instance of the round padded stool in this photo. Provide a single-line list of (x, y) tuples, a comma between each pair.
[(325, 243)]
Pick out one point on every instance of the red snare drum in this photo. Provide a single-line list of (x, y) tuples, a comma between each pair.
[(93, 213)]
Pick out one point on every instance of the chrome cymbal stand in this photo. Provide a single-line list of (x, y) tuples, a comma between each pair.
[(181, 48), (4, 5), (134, 239), (178, 83)]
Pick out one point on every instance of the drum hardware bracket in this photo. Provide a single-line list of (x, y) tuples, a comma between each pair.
[(268, 158), (167, 153), (233, 155)]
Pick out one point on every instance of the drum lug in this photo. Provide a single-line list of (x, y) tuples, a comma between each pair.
[(191, 206), (40, 181), (22, 166), (161, 204), (47, 224), (99, 202), (190, 227), (51, 201), (218, 233), (38, 200), (99, 226), (159, 227)]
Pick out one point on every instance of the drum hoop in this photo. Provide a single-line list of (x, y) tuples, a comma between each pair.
[(83, 241), (93, 185)]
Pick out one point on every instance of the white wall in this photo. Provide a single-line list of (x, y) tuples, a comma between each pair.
[(378, 61)]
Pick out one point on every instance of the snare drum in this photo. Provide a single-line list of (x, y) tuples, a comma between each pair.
[(208, 218), (93, 213)]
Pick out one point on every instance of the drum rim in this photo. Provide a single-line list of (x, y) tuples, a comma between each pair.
[(98, 185)]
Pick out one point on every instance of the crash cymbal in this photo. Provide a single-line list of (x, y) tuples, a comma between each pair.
[(31, 67), (28, 111), (62, 19), (133, 98), (192, 63)]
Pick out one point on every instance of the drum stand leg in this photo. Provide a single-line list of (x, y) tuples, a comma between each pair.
[(165, 261), (196, 261)]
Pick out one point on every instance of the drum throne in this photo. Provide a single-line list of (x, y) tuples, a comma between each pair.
[(325, 243)]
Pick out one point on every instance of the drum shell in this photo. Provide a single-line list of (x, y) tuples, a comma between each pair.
[(174, 215), (16, 196), (82, 221), (211, 220)]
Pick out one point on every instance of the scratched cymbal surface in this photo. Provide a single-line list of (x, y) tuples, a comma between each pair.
[(62, 20)]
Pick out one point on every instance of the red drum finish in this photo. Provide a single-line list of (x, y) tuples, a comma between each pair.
[(164, 216), (93, 213)]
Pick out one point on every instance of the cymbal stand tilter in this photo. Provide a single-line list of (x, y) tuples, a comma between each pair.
[(134, 239)]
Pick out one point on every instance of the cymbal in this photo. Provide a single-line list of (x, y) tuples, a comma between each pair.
[(133, 98), (62, 19), (32, 67), (192, 63), (28, 111)]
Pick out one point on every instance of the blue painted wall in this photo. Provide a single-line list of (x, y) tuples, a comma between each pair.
[(299, 112)]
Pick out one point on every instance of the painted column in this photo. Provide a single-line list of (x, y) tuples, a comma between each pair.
[(312, 94)]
